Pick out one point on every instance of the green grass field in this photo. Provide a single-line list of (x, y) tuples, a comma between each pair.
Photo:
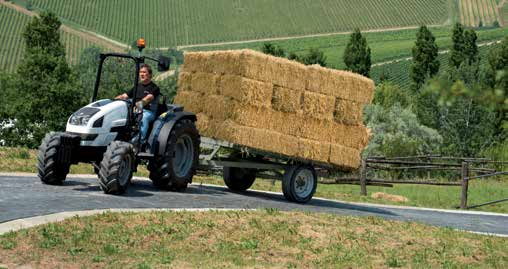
[(179, 22), (398, 72), (385, 46), (246, 239), (12, 49), (481, 191)]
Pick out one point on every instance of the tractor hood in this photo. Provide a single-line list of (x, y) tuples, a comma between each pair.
[(98, 119)]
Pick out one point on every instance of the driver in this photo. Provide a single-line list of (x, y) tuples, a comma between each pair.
[(147, 93)]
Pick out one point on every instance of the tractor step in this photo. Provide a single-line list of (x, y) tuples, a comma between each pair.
[(145, 155)]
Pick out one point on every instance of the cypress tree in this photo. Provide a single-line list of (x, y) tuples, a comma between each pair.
[(425, 63), (357, 54), (457, 55), (470, 47)]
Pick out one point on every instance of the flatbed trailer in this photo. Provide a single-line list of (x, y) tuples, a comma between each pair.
[(243, 165)]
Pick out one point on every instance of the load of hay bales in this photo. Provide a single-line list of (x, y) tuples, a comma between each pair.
[(277, 105)]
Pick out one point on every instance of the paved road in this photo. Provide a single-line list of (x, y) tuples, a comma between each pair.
[(26, 196)]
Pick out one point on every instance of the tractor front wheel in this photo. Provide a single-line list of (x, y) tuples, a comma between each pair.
[(116, 168), (49, 169)]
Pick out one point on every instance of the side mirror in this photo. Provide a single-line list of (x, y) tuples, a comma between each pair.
[(163, 64)]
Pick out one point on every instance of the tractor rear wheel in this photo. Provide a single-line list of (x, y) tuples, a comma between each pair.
[(116, 167), (50, 170), (176, 168)]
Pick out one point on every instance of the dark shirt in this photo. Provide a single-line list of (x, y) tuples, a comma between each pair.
[(144, 90)]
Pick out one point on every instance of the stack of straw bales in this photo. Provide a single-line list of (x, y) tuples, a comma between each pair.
[(277, 105)]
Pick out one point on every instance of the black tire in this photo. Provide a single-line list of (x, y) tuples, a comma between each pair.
[(96, 169), (174, 172), (299, 183), (50, 171), (116, 167), (239, 179)]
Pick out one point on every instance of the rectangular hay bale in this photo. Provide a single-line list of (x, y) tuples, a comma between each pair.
[(184, 81), (246, 91), (206, 83), (318, 106), (332, 132), (287, 100), (348, 112), (341, 84), (191, 101), (345, 157), (313, 150)]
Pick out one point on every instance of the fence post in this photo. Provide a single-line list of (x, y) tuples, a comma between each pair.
[(465, 185), (363, 177)]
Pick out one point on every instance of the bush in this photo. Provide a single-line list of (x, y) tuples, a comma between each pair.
[(397, 132)]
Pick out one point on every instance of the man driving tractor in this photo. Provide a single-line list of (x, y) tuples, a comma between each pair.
[(147, 93)]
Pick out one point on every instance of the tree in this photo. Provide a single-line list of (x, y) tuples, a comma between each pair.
[(425, 62), (466, 125), (495, 24), (388, 94), (46, 94), (457, 55), (498, 66), (357, 54), (269, 48), (470, 47), (315, 56)]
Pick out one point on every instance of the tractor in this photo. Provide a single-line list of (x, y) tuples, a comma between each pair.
[(105, 133)]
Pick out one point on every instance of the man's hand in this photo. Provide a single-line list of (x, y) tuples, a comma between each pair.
[(122, 96)]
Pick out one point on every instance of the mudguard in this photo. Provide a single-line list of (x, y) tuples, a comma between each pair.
[(162, 127)]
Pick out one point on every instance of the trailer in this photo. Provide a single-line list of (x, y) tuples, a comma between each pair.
[(241, 166)]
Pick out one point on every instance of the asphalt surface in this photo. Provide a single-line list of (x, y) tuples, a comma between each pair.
[(26, 196)]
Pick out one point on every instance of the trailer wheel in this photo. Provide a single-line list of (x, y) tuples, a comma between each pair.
[(239, 179), (176, 169), (50, 171), (299, 183), (116, 167)]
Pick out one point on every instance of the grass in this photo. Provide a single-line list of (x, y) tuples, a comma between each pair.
[(448, 197), (180, 22), (398, 72), (256, 239), (385, 46)]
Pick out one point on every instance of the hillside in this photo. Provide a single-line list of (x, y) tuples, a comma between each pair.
[(385, 46), (12, 50), (398, 72), (177, 22), (476, 12)]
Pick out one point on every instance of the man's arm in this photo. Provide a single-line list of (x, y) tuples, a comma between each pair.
[(147, 99)]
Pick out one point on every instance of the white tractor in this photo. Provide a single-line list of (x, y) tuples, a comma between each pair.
[(106, 134)]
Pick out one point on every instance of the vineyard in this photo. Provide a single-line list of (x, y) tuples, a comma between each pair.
[(477, 12), (504, 13), (398, 72), (12, 48), (168, 23), (385, 46)]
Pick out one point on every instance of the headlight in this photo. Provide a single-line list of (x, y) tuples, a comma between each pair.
[(82, 116), (79, 120)]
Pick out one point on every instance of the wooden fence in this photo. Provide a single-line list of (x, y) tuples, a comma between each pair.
[(481, 167)]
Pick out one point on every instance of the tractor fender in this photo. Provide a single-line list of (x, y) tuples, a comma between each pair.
[(166, 129)]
